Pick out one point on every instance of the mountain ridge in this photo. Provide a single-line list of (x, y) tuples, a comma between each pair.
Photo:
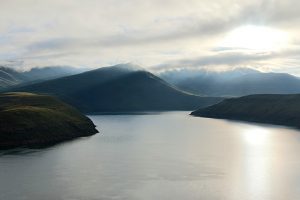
[(118, 88)]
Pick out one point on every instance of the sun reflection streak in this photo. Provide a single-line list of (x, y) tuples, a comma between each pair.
[(257, 162), (256, 136)]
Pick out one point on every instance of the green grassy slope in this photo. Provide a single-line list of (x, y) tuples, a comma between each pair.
[(274, 109), (29, 120)]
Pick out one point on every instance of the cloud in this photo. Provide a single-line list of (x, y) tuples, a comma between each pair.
[(105, 32), (236, 59), (228, 59)]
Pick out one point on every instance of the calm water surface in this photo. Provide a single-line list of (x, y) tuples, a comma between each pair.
[(160, 156)]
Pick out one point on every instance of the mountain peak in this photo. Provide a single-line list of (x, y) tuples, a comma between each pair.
[(128, 67)]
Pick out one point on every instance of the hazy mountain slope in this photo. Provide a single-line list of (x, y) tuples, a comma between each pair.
[(269, 108), (119, 88), (30, 120), (238, 82), (50, 72), (69, 85), (10, 77)]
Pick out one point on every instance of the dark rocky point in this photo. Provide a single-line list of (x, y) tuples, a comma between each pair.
[(268, 108)]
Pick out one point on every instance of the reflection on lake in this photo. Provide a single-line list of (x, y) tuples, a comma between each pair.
[(160, 156)]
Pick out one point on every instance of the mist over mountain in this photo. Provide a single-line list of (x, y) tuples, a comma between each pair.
[(11, 77), (122, 87), (236, 82), (51, 72)]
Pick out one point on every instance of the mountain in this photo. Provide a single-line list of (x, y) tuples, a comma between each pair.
[(269, 108), (118, 88), (10, 77), (31, 120), (237, 82)]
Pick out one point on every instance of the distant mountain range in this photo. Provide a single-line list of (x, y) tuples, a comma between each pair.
[(127, 87), (10, 77), (237, 82), (268, 108), (118, 88)]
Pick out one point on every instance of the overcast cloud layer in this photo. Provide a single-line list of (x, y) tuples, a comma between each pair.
[(155, 34)]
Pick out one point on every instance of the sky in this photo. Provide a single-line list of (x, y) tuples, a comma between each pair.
[(156, 34)]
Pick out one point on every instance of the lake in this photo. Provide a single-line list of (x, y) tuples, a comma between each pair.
[(168, 155)]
